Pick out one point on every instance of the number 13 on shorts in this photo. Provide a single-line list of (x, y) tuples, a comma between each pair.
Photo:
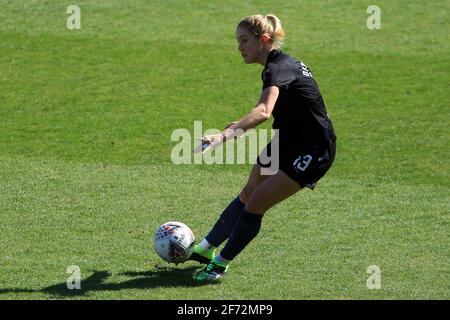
[(302, 162)]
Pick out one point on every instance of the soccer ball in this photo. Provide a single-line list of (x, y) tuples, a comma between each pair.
[(174, 242)]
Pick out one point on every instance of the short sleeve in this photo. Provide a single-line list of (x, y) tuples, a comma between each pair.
[(275, 75)]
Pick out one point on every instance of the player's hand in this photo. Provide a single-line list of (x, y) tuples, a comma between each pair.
[(209, 141), (214, 138)]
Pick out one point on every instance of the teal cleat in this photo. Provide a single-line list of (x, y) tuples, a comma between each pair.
[(211, 273)]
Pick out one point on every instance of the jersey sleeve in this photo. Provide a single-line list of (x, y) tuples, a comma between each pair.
[(276, 75)]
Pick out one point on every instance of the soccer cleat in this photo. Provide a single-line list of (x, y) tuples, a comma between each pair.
[(202, 256), (212, 272)]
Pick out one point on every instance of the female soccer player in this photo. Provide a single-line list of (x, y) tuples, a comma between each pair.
[(306, 143)]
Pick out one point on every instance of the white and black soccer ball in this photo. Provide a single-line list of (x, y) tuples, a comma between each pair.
[(174, 242)]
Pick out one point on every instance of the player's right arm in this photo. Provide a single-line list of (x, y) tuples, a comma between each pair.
[(261, 112)]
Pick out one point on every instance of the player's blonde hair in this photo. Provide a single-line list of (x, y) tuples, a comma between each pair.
[(269, 25)]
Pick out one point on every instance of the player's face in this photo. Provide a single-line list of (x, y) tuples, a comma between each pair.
[(249, 45)]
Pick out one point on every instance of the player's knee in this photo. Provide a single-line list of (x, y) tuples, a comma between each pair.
[(255, 206), (258, 202)]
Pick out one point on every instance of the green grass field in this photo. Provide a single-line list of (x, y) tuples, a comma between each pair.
[(86, 175)]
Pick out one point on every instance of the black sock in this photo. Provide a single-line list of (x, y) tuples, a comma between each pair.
[(227, 220), (246, 229)]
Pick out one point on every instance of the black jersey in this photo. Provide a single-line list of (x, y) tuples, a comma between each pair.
[(299, 113)]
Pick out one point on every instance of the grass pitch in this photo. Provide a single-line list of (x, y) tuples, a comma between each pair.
[(85, 169)]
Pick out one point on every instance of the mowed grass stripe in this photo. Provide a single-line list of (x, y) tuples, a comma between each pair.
[(114, 112), (103, 219)]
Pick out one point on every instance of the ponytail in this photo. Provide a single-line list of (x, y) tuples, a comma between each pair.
[(278, 32), (269, 25)]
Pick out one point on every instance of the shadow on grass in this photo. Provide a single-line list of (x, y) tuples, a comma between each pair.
[(161, 277)]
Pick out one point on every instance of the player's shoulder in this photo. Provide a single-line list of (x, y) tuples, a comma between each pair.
[(277, 58), (277, 63)]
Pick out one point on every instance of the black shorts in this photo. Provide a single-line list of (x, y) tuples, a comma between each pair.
[(303, 164)]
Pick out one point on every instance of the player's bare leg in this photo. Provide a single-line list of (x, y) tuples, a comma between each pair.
[(254, 180), (205, 250), (268, 193), (272, 191)]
